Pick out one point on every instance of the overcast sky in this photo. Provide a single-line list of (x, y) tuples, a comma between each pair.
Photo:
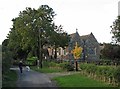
[(87, 16)]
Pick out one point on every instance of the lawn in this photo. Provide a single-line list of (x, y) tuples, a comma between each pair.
[(47, 70), (77, 80)]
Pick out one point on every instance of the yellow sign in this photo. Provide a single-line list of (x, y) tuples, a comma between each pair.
[(77, 51)]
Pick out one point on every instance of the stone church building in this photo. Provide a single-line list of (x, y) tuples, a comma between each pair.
[(91, 47), (90, 52)]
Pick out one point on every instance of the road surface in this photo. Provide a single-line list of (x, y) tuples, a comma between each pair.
[(33, 79)]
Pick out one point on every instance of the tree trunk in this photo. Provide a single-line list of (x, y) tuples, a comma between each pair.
[(76, 65), (55, 56)]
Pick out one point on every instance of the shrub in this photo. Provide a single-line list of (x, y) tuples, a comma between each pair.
[(52, 64), (117, 74), (83, 66), (62, 65), (31, 61), (46, 63), (69, 67), (88, 67)]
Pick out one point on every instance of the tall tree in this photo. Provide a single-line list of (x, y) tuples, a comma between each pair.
[(116, 30), (32, 28), (60, 38)]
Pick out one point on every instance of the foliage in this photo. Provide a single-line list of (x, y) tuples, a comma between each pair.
[(8, 78), (68, 67), (77, 51), (47, 70), (59, 39), (6, 64), (32, 59), (64, 65), (52, 64), (101, 71), (46, 63), (6, 57), (117, 75), (116, 30), (111, 51), (33, 29)]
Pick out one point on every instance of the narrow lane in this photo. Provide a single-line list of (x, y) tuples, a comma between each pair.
[(33, 79)]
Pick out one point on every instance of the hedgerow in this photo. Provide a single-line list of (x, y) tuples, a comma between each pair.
[(110, 74)]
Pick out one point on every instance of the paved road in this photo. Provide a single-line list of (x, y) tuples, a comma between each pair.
[(33, 79)]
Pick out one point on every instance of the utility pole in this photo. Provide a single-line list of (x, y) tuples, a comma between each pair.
[(38, 51), (39, 48), (84, 50), (40, 45)]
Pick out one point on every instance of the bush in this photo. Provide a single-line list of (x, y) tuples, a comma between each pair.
[(31, 61), (117, 74), (88, 67), (46, 63), (83, 66), (52, 64), (68, 67)]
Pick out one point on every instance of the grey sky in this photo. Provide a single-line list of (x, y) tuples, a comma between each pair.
[(87, 16)]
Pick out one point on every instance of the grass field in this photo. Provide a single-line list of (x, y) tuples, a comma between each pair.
[(77, 80), (47, 70)]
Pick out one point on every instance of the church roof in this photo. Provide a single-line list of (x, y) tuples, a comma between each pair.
[(72, 35), (84, 37)]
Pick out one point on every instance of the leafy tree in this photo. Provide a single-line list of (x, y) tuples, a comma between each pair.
[(33, 29), (116, 30), (111, 51), (77, 51), (6, 57), (59, 39)]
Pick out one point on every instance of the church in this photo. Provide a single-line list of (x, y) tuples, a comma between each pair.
[(89, 44)]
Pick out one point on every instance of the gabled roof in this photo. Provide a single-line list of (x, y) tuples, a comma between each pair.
[(72, 35), (84, 37)]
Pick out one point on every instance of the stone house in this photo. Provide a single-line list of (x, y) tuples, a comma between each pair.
[(91, 48)]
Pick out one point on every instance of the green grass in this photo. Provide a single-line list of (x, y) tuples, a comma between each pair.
[(9, 79), (77, 80), (47, 70)]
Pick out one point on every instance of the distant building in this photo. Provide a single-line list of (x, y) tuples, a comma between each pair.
[(91, 48)]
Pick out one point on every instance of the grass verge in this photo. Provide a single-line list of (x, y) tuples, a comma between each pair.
[(9, 79), (47, 70), (78, 80)]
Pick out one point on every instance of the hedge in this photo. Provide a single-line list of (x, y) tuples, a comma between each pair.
[(109, 74)]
